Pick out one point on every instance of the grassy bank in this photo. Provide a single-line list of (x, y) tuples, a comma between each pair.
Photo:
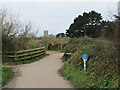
[(6, 74), (81, 79), (102, 68)]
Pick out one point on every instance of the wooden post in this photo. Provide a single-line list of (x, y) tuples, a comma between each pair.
[(15, 55)]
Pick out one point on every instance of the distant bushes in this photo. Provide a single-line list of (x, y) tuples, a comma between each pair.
[(102, 63), (54, 43)]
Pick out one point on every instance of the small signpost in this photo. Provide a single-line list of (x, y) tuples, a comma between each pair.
[(85, 58)]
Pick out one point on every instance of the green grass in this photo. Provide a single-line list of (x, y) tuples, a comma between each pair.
[(25, 61), (6, 74), (81, 79), (77, 78)]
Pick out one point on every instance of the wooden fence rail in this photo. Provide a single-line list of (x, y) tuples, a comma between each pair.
[(24, 54)]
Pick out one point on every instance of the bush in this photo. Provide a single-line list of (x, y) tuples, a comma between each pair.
[(76, 44), (54, 43), (102, 62)]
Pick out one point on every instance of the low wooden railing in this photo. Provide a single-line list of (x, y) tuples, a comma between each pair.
[(24, 54)]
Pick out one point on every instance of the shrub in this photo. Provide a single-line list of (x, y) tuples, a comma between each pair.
[(102, 62), (54, 43)]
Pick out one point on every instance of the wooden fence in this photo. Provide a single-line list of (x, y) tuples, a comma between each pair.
[(24, 54)]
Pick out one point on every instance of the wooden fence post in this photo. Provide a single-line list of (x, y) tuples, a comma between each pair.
[(15, 55)]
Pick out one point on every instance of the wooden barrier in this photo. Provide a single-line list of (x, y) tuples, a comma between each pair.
[(24, 54)]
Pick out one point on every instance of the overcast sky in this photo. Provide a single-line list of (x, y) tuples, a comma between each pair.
[(56, 17)]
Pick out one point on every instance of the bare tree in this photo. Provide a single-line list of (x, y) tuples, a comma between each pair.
[(13, 30)]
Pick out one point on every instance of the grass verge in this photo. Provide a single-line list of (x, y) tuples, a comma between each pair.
[(82, 79), (76, 77), (25, 61), (6, 74)]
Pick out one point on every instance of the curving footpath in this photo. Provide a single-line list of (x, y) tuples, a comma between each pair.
[(40, 74)]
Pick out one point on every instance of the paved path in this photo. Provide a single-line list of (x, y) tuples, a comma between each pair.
[(40, 74)]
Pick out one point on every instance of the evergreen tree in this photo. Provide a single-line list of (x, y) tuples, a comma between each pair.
[(89, 24)]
